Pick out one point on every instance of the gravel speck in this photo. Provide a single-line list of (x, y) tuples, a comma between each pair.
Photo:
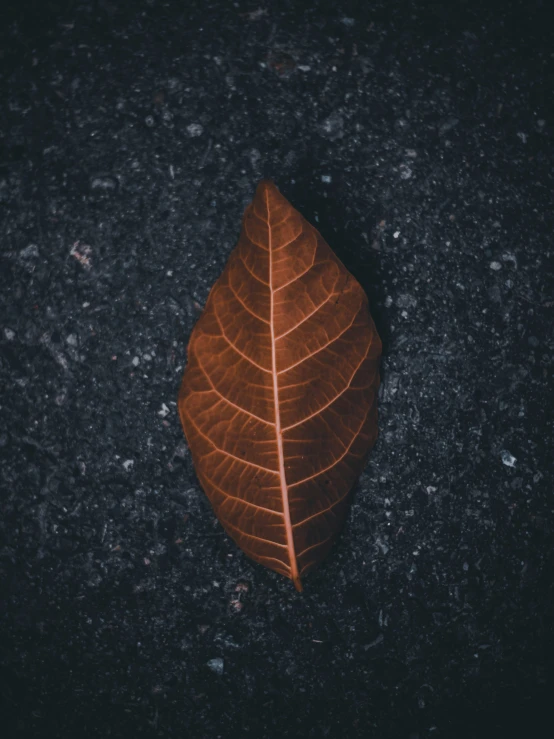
[(194, 130), (332, 127), (216, 665), (29, 252), (508, 459)]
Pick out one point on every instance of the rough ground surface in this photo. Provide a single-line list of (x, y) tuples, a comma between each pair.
[(420, 141)]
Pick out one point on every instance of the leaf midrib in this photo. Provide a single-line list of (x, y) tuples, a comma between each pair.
[(295, 577)]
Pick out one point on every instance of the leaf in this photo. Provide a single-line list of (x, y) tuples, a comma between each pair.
[(278, 400)]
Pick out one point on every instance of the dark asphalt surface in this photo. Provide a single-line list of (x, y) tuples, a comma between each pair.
[(418, 138)]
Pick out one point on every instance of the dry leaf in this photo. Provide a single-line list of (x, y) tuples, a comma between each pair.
[(278, 400)]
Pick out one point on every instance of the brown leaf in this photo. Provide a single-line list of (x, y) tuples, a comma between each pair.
[(278, 400)]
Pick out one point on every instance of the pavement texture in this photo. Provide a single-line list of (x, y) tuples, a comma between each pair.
[(418, 138)]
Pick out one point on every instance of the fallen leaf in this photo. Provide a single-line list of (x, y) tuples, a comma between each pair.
[(278, 400)]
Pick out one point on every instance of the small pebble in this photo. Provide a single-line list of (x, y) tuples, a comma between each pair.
[(29, 252), (254, 157), (216, 665), (332, 127), (128, 464), (104, 182), (508, 257), (235, 605), (508, 459), (405, 172), (195, 129), (448, 124), (495, 266), (9, 334), (405, 300)]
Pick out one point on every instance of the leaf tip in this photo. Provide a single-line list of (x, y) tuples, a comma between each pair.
[(267, 186), (268, 192)]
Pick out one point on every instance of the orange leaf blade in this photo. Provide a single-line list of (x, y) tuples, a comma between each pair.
[(278, 400)]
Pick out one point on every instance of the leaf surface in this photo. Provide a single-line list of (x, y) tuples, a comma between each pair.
[(278, 399)]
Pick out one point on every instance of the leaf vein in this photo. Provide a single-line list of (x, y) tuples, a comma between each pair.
[(228, 454), (252, 241), (323, 407), (246, 307), (253, 536), (314, 546), (238, 351), (342, 456), (284, 246), (245, 502), (321, 348), (252, 273), (290, 330), (319, 513), (230, 402)]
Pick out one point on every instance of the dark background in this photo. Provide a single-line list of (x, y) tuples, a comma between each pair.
[(418, 138)]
